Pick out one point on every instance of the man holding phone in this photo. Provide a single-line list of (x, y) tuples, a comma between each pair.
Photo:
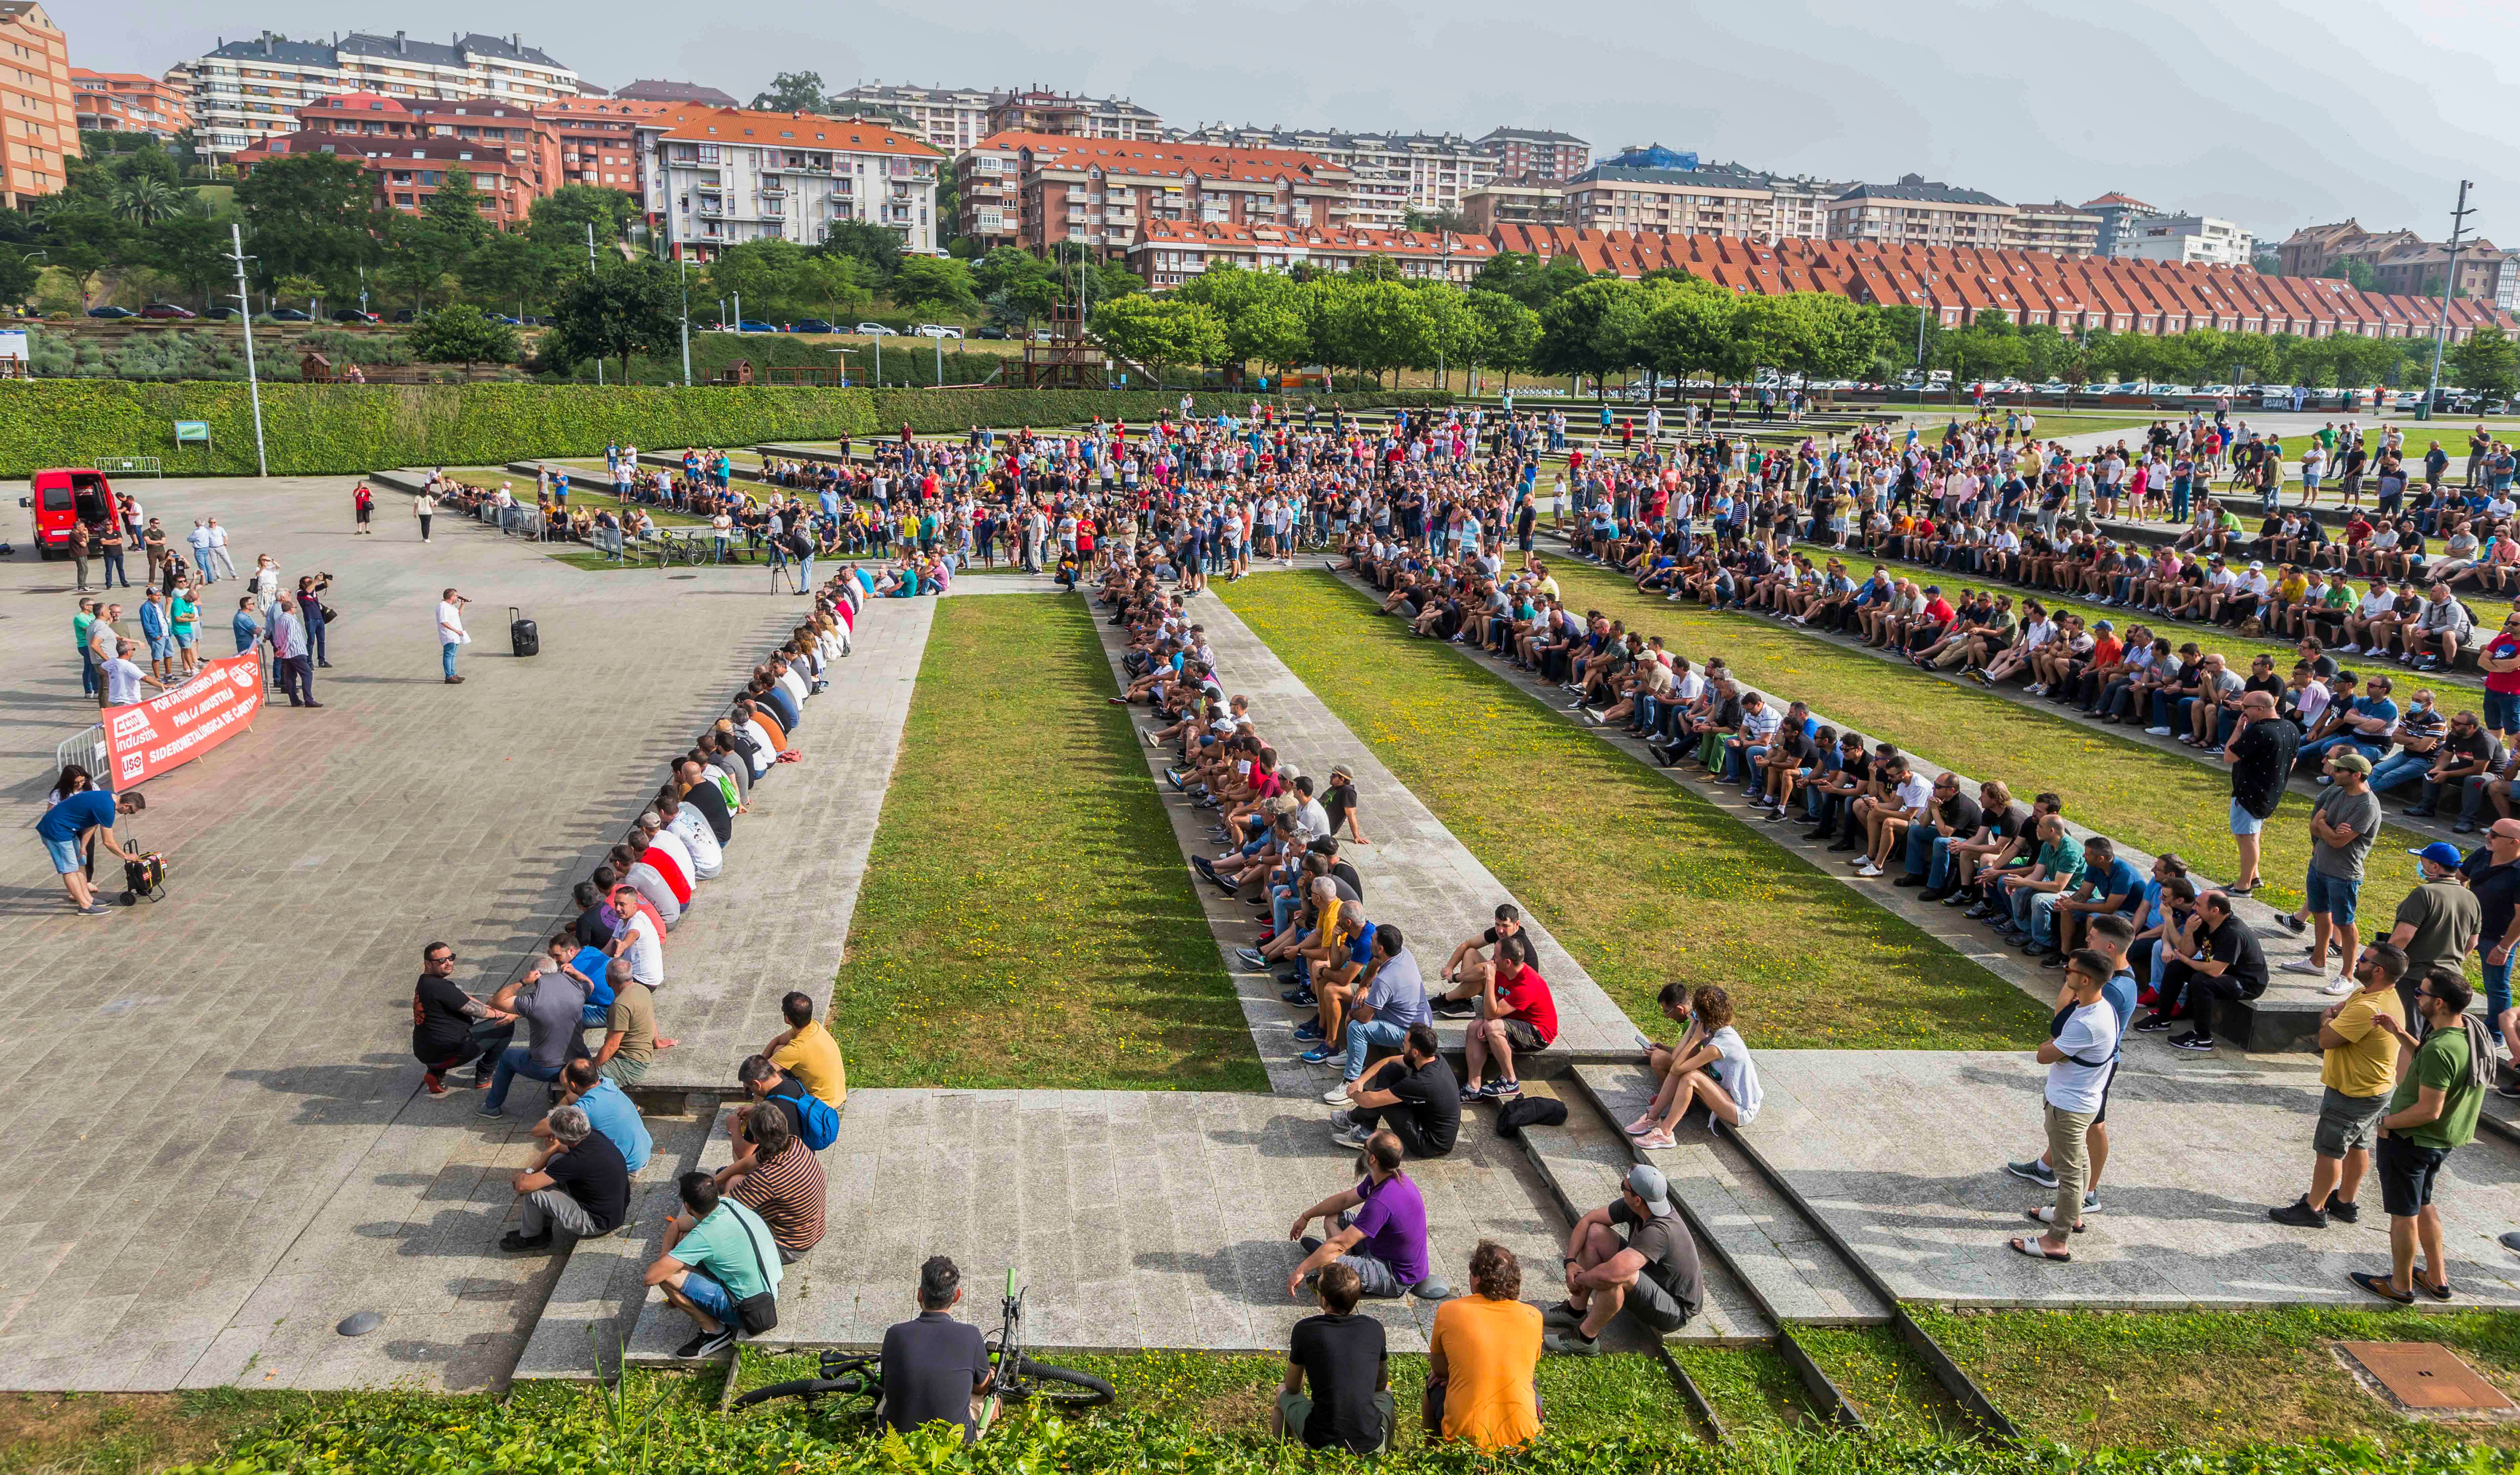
[(450, 631)]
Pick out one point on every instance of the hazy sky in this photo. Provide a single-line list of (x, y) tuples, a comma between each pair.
[(2276, 116)]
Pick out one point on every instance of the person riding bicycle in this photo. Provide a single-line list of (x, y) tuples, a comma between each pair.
[(936, 1368)]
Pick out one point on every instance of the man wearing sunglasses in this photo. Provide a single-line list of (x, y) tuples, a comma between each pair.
[(449, 1026), (2432, 1114)]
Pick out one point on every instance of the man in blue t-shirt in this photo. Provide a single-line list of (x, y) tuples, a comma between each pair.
[(65, 828)]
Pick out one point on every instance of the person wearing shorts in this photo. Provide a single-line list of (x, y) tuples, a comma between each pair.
[(2358, 1068), (66, 827), (1636, 1256), (2431, 1114)]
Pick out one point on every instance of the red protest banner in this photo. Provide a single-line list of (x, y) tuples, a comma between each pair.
[(174, 728)]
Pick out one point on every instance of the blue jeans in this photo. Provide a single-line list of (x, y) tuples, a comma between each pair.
[(517, 1061), (2399, 770), (1924, 848), (2497, 991), (447, 654), (2043, 916), (1373, 1032)]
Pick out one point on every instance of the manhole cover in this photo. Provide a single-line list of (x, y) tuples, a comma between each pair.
[(2427, 1377)]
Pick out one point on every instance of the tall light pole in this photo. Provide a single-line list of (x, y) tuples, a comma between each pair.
[(2441, 317), (590, 273), (252, 383), (685, 262)]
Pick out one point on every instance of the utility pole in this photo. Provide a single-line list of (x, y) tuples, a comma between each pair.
[(685, 262), (589, 272), (2441, 317), (245, 303)]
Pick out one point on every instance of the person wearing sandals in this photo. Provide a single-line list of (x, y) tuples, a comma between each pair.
[(2079, 1056), (2440, 1084), (1710, 1064)]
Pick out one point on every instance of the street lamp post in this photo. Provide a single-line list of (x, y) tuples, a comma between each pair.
[(2441, 317), (253, 385), (685, 263)]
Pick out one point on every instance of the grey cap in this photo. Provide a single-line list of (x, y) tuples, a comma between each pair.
[(1646, 1181)]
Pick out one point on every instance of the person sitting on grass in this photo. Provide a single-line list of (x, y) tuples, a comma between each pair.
[(1340, 1358), (576, 1180), (1483, 1358), (1650, 1273), (1517, 1013), (1710, 1065), (1378, 1229), (717, 1254)]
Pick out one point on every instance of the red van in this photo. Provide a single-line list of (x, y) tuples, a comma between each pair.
[(64, 493)]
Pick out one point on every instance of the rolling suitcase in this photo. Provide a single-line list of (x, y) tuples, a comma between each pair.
[(521, 633)]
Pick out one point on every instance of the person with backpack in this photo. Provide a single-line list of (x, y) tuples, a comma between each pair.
[(809, 1117)]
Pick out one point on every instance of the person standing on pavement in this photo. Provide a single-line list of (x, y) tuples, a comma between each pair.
[(2359, 1064), (104, 641), (219, 565), (310, 608), (110, 544), (450, 631), (423, 506), (244, 625), (123, 676), (2494, 877), (2342, 828), (80, 809), (2261, 754), (2080, 1059), (2440, 1084), (79, 547), (2439, 921), (363, 507), (296, 668)]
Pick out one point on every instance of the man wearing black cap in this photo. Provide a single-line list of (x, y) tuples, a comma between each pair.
[(1651, 1272)]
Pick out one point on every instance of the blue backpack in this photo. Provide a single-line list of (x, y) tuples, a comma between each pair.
[(819, 1124)]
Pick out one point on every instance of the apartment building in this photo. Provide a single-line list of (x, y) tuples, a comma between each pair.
[(2184, 238), (1543, 153), (1653, 189), (1919, 212), (512, 156), (243, 92), (720, 176), (1519, 199), (2113, 210), (1037, 190), (953, 118), (1035, 110), (599, 140), (1169, 253), (38, 116), (2065, 229), (1393, 173), (125, 101)]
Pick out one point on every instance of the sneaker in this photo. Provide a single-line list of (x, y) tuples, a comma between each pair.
[(1349, 1135), (2339, 985), (2194, 1043), (1300, 997), (518, 1243), (1911, 880), (1309, 1031), (2293, 924), (2151, 1025), (1867, 870), (2344, 1211), (2033, 1171), (2300, 1215), (1336, 1095), (1473, 1093), (1252, 957), (2306, 966), (1173, 776), (2156, 732), (1504, 1091), (433, 1086), (1453, 1009), (1573, 1344), (1317, 1056), (705, 1343)]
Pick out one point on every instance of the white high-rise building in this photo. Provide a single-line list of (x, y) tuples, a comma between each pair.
[(244, 92), (715, 177)]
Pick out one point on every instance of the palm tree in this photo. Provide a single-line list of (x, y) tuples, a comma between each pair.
[(147, 200)]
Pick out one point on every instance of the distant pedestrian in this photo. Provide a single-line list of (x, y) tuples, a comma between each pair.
[(245, 625), (310, 608), (363, 507), (199, 539), (289, 654), (450, 631), (111, 543), (80, 549), (423, 506), (220, 566)]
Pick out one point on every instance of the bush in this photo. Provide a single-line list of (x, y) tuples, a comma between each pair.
[(343, 429)]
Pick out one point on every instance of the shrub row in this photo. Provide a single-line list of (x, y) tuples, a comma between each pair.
[(313, 430)]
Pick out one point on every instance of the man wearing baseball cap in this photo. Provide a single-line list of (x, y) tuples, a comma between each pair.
[(1651, 1272), (2438, 923)]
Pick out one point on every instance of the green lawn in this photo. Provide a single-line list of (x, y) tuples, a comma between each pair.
[(2210, 1377), (1026, 919), (2152, 800), (1641, 881), (2229, 641)]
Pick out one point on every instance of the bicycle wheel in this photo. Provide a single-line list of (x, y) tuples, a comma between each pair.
[(1062, 1387), (808, 1389)]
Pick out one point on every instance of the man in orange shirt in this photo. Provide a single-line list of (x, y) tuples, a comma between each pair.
[(1483, 1358)]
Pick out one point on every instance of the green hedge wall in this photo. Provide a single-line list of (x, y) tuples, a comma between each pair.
[(312, 429)]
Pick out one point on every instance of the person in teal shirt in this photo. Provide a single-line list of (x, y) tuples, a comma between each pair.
[(718, 1254)]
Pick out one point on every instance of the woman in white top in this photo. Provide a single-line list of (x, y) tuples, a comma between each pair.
[(1711, 1065)]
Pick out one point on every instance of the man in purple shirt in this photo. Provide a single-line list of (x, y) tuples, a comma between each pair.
[(1382, 1230)]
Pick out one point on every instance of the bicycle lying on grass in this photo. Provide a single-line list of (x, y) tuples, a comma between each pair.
[(1017, 1377)]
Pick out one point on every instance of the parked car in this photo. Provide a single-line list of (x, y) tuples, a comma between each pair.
[(406, 315), (167, 311), (938, 330), (221, 314), (501, 317), (993, 330), (288, 315), (63, 495), (752, 325), (111, 312), (811, 325), (353, 315), (877, 329)]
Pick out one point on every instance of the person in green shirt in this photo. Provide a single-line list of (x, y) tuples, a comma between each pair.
[(2059, 869), (716, 1255), (186, 617), (2441, 1084)]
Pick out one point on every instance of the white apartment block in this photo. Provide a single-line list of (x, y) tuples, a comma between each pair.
[(2185, 238), (1717, 201), (244, 92), (719, 176), (953, 118), (1916, 211), (1394, 173)]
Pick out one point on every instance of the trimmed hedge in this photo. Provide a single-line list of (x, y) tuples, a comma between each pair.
[(314, 429)]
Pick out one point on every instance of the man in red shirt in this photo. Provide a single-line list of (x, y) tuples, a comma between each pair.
[(1516, 1014)]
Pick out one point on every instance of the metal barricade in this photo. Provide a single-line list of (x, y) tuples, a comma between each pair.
[(87, 751)]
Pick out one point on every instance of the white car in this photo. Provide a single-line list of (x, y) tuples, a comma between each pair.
[(876, 330), (938, 330)]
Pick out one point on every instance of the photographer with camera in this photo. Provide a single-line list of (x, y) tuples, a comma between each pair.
[(312, 609)]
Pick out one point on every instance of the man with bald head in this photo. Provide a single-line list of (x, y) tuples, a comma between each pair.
[(2261, 754)]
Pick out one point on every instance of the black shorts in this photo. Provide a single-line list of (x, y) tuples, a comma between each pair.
[(2407, 1172)]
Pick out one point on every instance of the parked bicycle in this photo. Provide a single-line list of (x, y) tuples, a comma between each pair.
[(1016, 1376)]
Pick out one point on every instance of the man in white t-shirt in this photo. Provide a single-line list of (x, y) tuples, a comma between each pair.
[(2079, 1060), (450, 631), (1886, 820)]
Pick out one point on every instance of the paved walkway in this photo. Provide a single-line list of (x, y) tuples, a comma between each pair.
[(252, 1162)]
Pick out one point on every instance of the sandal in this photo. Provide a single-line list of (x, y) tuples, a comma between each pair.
[(2036, 1250), (2380, 1287), (2047, 1214)]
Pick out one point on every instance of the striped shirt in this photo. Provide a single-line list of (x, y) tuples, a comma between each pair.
[(787, 1190)]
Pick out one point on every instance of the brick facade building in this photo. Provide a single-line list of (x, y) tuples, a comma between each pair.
[(1038, 190), (513, 155), (38, 116)]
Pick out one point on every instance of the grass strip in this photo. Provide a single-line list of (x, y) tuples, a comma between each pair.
[(2210, 1378), (1642, 882), (2152, 800), (1026, 919), (2178, 633), (1895, 1393), (1751, 1389)]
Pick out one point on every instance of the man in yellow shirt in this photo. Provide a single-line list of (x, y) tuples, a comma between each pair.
[(2358, 1068), (1483, 1358), (806, 1050)]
